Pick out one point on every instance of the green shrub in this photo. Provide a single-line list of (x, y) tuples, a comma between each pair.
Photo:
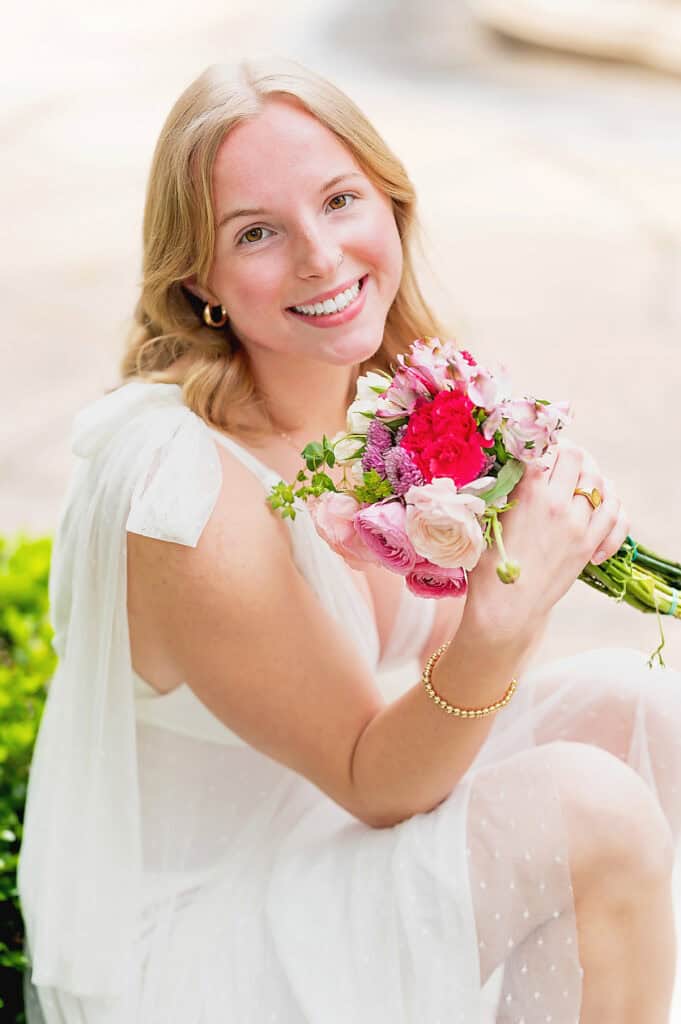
[(27, 662)]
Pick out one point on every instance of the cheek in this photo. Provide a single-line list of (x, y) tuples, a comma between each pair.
[(246, 285), (384, 248)]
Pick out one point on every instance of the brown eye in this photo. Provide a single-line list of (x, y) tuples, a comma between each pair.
[(340, 202), (253, 235)]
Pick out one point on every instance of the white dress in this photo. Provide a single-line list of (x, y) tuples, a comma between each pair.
[(172, 874)]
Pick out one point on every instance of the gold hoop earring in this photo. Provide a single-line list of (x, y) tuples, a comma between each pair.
[(208, 316)]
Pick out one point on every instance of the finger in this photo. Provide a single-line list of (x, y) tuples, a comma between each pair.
[(611, 544), (565, 474), (591, 475), (591, 478), (606, 524)]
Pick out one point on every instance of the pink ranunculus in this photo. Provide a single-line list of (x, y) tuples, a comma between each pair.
[(381, 527), (333, 514), (429, 580)]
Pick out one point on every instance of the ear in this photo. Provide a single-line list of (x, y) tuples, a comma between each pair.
[(201, 293)]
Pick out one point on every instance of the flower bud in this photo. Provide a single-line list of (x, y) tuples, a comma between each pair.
[(508, 571)]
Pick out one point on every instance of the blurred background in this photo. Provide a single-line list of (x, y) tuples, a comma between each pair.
[(544, 142)]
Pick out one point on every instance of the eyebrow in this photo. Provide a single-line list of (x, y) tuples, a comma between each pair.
[(259, 211)]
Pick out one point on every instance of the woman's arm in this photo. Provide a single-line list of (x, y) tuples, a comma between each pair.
[(448, 615)]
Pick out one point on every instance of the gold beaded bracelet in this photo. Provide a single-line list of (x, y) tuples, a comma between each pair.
[(449, 708)]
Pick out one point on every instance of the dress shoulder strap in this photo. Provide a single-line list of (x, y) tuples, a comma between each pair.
[(266, 474)]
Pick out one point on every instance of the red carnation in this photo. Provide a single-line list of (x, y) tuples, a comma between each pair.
[(443, 438)]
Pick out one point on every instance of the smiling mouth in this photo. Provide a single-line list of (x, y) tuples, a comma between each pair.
[(328, 307)]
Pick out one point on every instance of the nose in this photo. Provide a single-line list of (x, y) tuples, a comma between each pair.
[(316, 253)]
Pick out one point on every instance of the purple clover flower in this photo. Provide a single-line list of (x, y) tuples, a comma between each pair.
[(373, 459), (400, 432), (401, 470), (379, 435)]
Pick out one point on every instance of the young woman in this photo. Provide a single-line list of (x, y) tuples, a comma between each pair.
[(228, 817)]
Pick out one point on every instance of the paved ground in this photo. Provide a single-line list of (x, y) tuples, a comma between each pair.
[(551, 199)]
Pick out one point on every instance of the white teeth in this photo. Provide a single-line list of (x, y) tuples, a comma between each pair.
[(334, 305)]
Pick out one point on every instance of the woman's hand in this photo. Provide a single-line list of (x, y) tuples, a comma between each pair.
[(552, 533)]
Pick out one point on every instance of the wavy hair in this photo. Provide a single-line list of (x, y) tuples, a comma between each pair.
[(179, 237)]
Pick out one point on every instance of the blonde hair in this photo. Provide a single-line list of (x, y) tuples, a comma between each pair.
[(179, 237)]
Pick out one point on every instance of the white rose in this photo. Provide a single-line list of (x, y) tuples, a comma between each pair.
[(442, 524), (358, 423), (368, 382)]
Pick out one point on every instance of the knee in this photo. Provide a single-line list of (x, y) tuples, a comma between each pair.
[(616, 828)]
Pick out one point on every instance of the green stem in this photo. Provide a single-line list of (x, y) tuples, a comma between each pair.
[(498, 535)]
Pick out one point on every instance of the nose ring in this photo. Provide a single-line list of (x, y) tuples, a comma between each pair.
[(340, 259)]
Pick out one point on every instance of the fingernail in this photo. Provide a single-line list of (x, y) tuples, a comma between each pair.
[(598, 557)]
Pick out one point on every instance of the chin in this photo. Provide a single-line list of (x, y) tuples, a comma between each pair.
[(350, 351)]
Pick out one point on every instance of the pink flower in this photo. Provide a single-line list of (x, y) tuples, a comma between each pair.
[(428, 580), (479, 383), (427, 358), (443, 526), (382, 529), (529, 427), (400, 398), (333, 514), (492, 423), (401, 470)]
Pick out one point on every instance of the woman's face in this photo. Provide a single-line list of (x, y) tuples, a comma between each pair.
[(289, 200)]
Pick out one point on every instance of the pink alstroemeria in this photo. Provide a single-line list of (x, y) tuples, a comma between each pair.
[(482, 386), (400, 398), (429, 356), (492, 423), (528, 422)]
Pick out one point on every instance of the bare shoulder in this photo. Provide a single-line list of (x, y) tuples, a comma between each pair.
[(236, 620)]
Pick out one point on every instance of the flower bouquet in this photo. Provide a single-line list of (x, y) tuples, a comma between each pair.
[(430, 459)]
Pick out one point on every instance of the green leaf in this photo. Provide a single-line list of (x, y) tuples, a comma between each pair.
[(509, 475), (373, 489)]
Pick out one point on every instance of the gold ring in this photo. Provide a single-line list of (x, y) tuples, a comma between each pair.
[(594, 497)]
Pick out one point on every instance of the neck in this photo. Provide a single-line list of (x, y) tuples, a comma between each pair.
[(305, 398)]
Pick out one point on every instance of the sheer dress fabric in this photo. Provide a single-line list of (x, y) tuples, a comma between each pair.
[(172, 874)]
